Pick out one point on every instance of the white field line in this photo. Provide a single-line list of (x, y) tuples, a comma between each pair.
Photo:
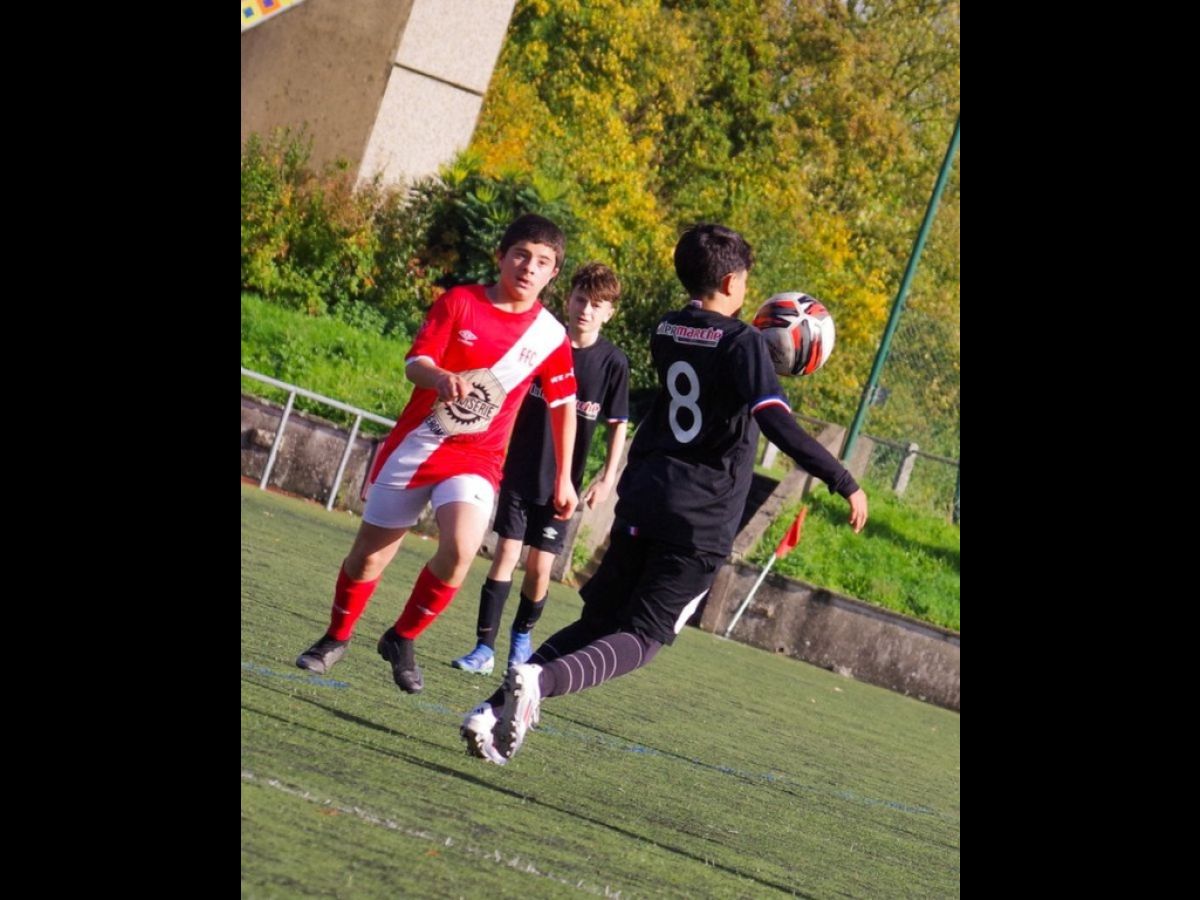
[(514, 862)]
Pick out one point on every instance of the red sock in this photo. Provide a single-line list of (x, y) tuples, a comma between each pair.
[(430, 595), (349, 600)]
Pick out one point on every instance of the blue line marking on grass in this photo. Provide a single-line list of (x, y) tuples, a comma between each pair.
[(871, 801), (307, 679)]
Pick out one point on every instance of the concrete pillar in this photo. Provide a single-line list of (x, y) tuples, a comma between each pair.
[(325, 64), (900, 485), (435, 88), (391, 86), (860, 459)]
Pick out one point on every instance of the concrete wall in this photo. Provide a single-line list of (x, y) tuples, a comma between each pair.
[(824, 628), (392, 86), (326, 64), (308, 457), (838, 633), (436, 85)]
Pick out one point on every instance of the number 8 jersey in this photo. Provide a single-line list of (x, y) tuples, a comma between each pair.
[(692, 458)]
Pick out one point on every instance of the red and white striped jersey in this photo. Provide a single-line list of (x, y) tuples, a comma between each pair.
[(498, 352)]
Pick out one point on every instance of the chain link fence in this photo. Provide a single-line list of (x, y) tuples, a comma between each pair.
[(912, 411), (912, 421)]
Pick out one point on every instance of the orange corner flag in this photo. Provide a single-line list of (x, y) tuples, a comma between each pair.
[(792, 538)]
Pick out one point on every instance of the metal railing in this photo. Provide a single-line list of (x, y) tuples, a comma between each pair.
[(293, 392), (909, 451)]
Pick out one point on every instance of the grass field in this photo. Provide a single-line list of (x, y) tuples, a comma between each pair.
[(718, 771)]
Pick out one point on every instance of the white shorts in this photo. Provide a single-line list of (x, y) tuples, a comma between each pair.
[(401, 507)]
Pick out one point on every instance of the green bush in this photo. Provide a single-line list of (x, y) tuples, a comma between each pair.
[(372, 256), (308, 240)]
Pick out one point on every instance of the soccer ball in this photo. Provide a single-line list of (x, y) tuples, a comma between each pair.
[(799, 332)]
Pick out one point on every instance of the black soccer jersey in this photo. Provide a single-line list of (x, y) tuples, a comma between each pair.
[(692, 458), (601, 394)]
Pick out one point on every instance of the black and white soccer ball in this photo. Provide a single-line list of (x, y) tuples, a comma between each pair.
[(799, 332)]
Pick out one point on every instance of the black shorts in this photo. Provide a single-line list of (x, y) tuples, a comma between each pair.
[(530, 523), (647, 586)]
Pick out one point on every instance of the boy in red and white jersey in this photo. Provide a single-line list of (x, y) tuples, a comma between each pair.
[(524, 510), (472, 362)]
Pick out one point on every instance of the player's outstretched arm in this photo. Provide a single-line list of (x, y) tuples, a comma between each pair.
[(782, 431)]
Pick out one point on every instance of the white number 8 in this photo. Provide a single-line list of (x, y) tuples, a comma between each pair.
[(683, 401)]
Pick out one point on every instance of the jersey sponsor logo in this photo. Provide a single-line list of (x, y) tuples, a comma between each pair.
[(587, 409), (468, 337), (527, 357), (474, 412), (686, 334), (570, 373)]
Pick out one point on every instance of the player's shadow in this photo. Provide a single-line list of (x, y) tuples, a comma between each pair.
[(376, 748), (947, 555)]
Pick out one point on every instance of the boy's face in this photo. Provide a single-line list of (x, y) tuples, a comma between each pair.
[(526, 268), (587, 316)]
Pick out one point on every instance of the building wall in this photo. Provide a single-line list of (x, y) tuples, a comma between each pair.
[(839, 633), (394, 87)]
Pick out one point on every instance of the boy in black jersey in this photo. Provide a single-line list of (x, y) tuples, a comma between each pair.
[(681, 495), (525, 512)]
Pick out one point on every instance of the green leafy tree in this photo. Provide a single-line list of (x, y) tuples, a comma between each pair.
[(815, 128)]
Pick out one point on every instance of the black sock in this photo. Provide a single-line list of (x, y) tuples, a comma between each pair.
[(605, 658), (491, 607), (528, 613), (577, 657)]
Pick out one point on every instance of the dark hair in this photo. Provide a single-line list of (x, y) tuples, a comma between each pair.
[(538, 230), (596, 281), (706, 253)]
